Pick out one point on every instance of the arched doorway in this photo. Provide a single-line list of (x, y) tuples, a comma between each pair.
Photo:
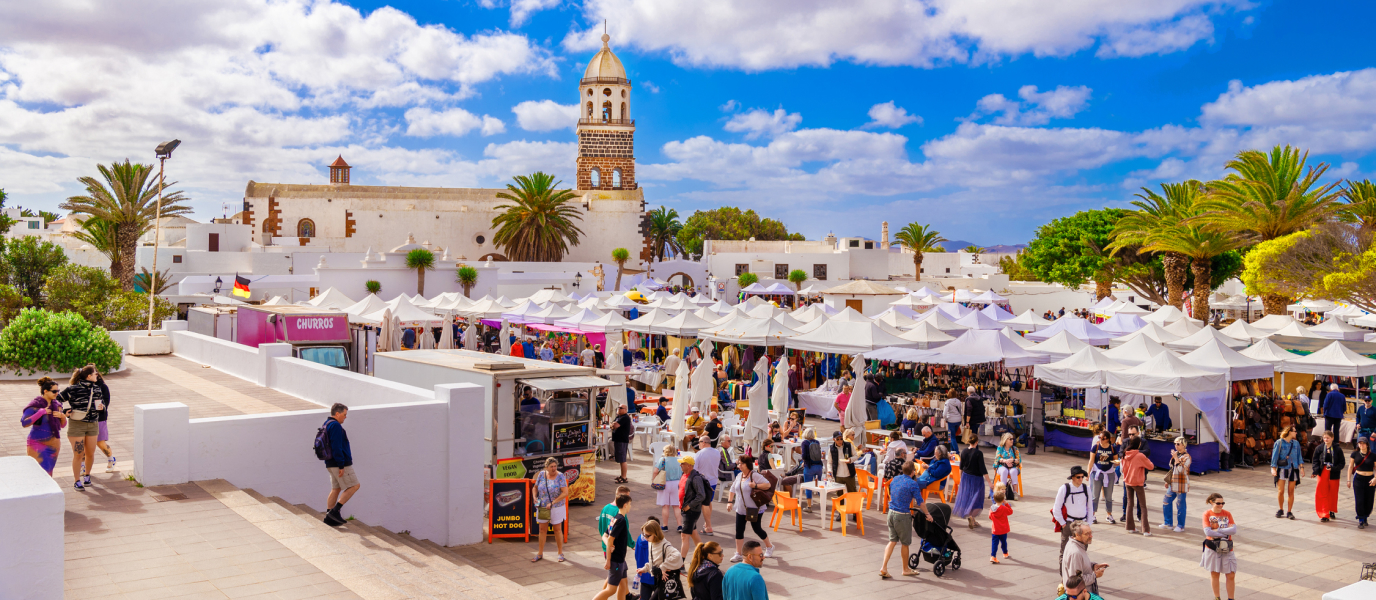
[(492, 256), (685, 282)]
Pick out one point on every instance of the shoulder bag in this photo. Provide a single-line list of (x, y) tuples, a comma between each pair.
[(542, 513), (80, 415), (660, 480), (1221, 546)]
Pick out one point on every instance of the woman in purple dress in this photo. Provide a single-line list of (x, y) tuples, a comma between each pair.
[(45, 420), (974, 474)]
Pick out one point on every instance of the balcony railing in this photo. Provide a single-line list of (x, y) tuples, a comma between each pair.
[(626, 122), (610, 80)]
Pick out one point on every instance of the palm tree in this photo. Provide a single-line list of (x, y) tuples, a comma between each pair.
[(972, 249), (540, 225), (747, 279), (372, 286), (1190, 238), (920, 238), (421, 260), (102, 235), (467, 277), (1361, 205), (127, 199), (797, 277), (159, 283), (620, 256), (1269, 196), (1155, 213), (664, 228)]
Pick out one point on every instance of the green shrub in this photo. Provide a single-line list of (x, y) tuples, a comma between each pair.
[(39, 340), (373, 287), (127, 311)]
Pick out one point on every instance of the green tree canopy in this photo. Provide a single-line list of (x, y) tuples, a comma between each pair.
[(1070, 250), (745, 279), (730, 223), (126, 196), (28, 262), (540, 224), (79, 289), (467, 277), (421, 260)]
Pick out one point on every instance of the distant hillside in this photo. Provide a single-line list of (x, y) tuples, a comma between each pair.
[(955, 245)]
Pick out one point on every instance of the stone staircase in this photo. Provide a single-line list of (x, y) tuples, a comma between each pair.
[(373, 562)]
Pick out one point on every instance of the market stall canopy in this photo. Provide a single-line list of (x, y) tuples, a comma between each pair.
[(845, 337), (1027, 321), (549, 315), (589, 302), (779, 289), (753, 301), (1126, 308), (1242, 330), (700, 300), (816, 322), (996, 312), (523, 313), (1215, 355), (586, 315), (750, 332), (720, 307), (1083, 330), (684, 324), (1202, 337), (1273, 323), (1268, 351), (1183, 328), (620, 302), (1315, 306), (954, 311), (331, 298), (862, 287), (850, 315), (458, 304), (507, 302), (1364, 321), (939, 320), (400, 300), (1153, 331), (918, 302), (895, 318), (810, 290), (1336, 360), (560, 384), (487, 308), (444, 298), (1137, 351), (548, 296), (754, 288), (1336, 329), (979, 320), (1059, 346), (1165, 315), (1346, 312), (369, 304), (1103, 303), (1166, 374), (963, 295), (989, 297), (982, 346), (1294, 329), (647, 321), (925, 336), (407, 314), (923, 291), (1083, 370), (1120, 325), (764, 311), (276, 301), (736, 312), (611, 322), (1017, 338)]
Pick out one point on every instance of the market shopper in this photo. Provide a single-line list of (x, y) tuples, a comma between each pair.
[(974, 411), (969, 502), (1071, 504), (83, 401), (904, 494), (1135, 468), (103, 433), (1177, 485), (747, 510), (954, 413), (743, 581), (45, 420), (1366, 419), (1075, 559), (339, 462), (929, 443), (1328, 470), (1334, 407), (551, 492), (814, 464), (1361, 481), (998, 523), (664, 564), (621, 440), (1008, 465), (1219, 558), (695, 493), (1103, 473), (666, 496), (608, 514), (616, 541), (843, 459), (708, 462), (704, 572), (1286, 461)]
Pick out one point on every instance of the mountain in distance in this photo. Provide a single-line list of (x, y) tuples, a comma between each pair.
[(956, 245)]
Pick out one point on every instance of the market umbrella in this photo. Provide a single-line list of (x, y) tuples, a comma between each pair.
[(504, 337), (680, 411), (757, 423), (384, 338), (855, 415), (470, 337), (394, 332), (616, 395), (446, 336), (779, 399), (614, 357), (425, 339), (703, 382)]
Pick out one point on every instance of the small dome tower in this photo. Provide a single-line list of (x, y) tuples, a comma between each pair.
[(606, 132)]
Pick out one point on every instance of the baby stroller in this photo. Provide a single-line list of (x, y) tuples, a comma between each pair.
[(938, 545)]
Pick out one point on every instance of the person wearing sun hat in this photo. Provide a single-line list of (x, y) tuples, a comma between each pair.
[(697, 491), (1072, 504)]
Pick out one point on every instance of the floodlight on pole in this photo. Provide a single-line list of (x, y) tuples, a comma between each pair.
[(163, 152)]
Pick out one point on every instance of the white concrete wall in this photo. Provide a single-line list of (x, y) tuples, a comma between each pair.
[(236, 359), (327, 385), (416, 461), (31, 526), (233, 238)]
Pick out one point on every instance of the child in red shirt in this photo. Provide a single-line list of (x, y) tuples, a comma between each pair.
[(998, 517)]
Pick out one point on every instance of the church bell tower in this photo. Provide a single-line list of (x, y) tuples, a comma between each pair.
[(606, 131)]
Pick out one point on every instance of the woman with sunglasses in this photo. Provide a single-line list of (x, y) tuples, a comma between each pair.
[(704, 580), (1219, 558)]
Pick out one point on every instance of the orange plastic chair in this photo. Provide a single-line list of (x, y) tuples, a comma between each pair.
[(785, 503), (997, 477), (883, 496), (869, 484), (849, 504), (936, 488)]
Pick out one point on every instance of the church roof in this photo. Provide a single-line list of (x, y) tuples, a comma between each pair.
[(605, 64)]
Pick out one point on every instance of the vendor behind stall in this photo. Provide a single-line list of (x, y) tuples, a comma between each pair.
[(529, 403), (1160, 414)]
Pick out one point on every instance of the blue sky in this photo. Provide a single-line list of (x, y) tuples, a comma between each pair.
[(985, 118)]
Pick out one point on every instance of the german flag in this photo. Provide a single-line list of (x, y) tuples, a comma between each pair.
[(240, 286)]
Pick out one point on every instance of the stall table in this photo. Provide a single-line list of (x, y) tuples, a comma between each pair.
[(819, 403), (1068, 437), (1203, 457)]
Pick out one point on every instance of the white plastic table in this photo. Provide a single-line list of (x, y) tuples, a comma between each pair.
[(786, 449), (825, 489)]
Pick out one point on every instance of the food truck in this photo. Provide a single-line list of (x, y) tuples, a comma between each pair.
[(558, 420), (317, 335)]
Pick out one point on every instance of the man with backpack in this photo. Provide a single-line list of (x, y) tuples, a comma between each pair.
[(332, 446), (1072, 504), (694, 492)]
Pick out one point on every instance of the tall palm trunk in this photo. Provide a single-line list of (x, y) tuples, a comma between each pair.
[(1102, 288), (1203, 272), (620, 266), (420, 281), (1175, 264), (128, 247), (1275, 303), (917, 266)]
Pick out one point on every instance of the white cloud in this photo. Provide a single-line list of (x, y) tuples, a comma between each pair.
[(256, 89), (758, 122), (545, 115), (891, 116), (423, 122), (770, 34), (729, 106), (1036, 108)]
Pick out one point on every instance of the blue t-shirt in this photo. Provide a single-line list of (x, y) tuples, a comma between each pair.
[(671, 468), (903, 490), (743, 582)]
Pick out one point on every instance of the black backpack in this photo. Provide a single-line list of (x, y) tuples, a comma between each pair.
[(814, 452), (322, 443)]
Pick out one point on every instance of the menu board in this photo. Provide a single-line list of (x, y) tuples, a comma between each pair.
[(570, 436), (509, 509)]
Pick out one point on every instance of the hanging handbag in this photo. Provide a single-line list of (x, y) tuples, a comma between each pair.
[(542, 513), (660, 479), (80, 415), (1222, 546)]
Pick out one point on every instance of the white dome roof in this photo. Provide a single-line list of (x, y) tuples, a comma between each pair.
[(604, 63)]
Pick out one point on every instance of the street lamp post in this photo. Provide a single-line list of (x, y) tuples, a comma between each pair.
[(164, 152)]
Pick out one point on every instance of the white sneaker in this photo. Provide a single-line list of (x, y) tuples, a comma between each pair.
[(1146, 533), (1111, 520), (769, 552), (1166, 527), (1180, 530), (735, 558)]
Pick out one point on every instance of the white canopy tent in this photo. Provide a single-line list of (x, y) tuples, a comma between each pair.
[(330, 298), (1027, 321), (1203, 337), (1080, 328), (1136, 351), (816, 322), (1215, 355), (1017, 338), (507, 302), (983, 346), (846, 337), (1121, 325), (549, 314), (939, 320), (408, 314), (996, 312), (369, 304), (849, 315), (1103, 303), (1242, 330), (1333, 328), (750, 332), (548, 296), (953, 310), (1273, 323), (895, 318), (1183, 328), (684, 324), (608, 323), (1295, 329), (576, 320), (1271, 353), (1083, 370), (647, 321), (989, 297), (754, 288), (523, 312), (810, 312), (979, 320), (925, 336), (1061, 345), (1165, 315), (1167, 374), (1316, 306), (1336, 360), (1152, 331), (780, 289)]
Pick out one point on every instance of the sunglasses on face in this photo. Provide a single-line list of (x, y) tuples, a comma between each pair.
[(1220, 503)]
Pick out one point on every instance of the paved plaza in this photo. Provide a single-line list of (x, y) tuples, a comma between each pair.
[(124, 541)]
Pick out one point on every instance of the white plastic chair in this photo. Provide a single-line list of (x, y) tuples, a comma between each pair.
[(657, 447)]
